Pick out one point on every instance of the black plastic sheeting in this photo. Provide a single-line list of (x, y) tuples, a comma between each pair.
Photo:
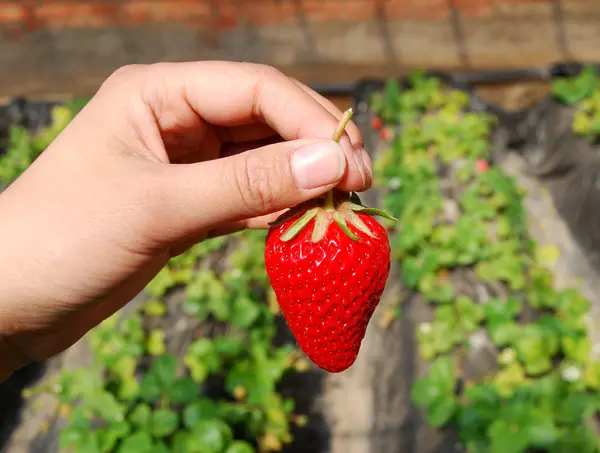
[(542, 134), (32, 115)]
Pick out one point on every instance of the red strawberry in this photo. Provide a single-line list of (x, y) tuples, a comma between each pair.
[(376, 123), (481, 165), (385, 134), (328, 262)]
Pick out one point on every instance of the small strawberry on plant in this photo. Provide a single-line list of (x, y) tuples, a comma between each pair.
[(328, 261), (376, 123), (482, 165), (385, 134)]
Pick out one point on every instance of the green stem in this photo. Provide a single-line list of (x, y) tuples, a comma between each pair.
[(337, 135), (329, 205)]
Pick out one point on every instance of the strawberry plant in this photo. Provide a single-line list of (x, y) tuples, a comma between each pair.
[(138, 397), (23, 148), (583, 92), (460, 219)]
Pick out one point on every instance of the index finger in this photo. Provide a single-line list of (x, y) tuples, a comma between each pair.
[(232, 94)]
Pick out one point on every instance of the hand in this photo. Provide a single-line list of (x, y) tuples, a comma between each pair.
[(162, 157)]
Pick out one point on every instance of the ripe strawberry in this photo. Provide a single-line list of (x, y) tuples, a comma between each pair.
[(481, 165), (328, 262), (376, 123), (385, 134)]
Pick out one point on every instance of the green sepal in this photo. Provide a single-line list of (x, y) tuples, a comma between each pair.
[(322, 223), (358, 223), (339, 219), (372, 211), (298, 225), (288, 214)]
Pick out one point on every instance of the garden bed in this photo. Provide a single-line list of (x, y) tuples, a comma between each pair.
[(478, 344)]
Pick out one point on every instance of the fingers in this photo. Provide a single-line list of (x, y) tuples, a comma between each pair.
[(204, 196), (351, 129), (362, 160), (229, 94), (245, 133)]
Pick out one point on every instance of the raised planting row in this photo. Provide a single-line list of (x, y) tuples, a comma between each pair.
[(462, 244)]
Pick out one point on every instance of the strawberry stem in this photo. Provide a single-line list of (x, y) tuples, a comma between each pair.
[(337, 135)]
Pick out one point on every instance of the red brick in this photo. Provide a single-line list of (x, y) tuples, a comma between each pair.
[(226, 15), (526, 7), (267, 12), (141, 11), (474, 8), (336, 10), (69, 14), (416, 9), (12, 13)]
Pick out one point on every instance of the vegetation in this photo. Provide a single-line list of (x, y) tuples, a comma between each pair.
[(582, 91), (458, 216)]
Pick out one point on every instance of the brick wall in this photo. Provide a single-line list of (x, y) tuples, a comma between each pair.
[(56, 46)]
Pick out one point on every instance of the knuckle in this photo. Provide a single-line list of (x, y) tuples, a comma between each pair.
[(124, 77), (127, 72), (257, 183), (267, 71)]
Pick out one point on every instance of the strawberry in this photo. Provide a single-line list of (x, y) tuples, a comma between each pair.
[(385, 134), (376, 123), (328, 261), (481, 165)]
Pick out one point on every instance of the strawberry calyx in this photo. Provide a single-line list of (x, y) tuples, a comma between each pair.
[(342, 211)]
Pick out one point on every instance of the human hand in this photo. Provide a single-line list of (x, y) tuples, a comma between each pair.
[(158, 160)]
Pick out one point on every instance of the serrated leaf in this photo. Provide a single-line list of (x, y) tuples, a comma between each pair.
[(164, 422)]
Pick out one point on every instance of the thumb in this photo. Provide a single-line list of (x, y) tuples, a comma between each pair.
[(254, 183)]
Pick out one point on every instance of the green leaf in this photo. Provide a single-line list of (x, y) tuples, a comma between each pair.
[(239, 446), (138, 442), (156, 342), (105, 405), (160, 447), (180, 442), (577, 348), (228, 347), (576, 408), (164, 369), (437, 385), (109, 437), (507, 438), (442, 410), (140, 416), (183, 390), (443, 375), (198, 411), (164, 422), (504, 333), (245, 312), (210, 436), (150, 388), (541, 430)]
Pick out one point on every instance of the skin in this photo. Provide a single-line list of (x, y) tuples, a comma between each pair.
[(162, 157)]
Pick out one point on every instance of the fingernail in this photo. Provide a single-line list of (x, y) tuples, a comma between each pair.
[(318, 164), (367, 161)]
